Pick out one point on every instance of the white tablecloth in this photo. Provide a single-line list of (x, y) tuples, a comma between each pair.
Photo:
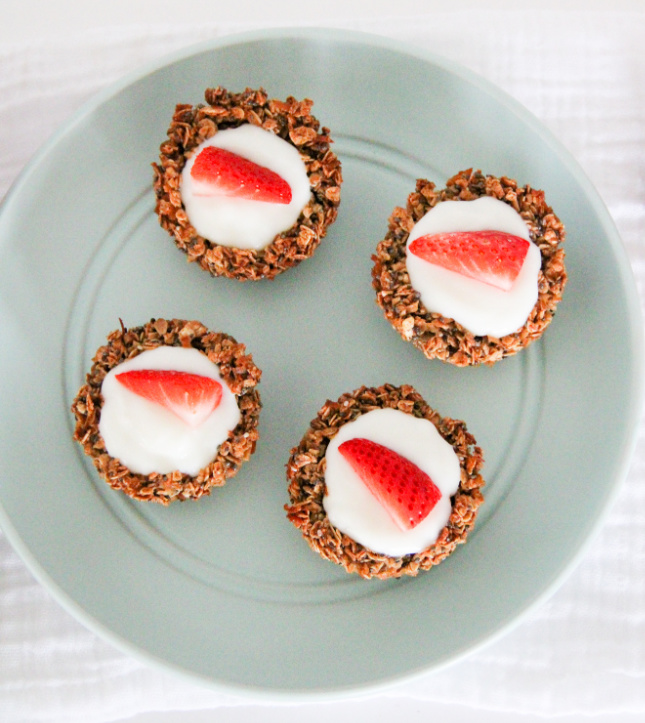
[(583, 75)]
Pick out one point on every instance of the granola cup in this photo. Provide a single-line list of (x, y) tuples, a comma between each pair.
[(442, 338), (307, 489), (236, 368), (292, 121)]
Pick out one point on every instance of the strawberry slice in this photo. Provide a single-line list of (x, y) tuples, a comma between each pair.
[(190, 397), (224, 173), (493, 257), (404, 490)]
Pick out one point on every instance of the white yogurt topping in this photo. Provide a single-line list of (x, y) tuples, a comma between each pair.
[(146, 436), (239, 222), (483, 309), (354, 510)]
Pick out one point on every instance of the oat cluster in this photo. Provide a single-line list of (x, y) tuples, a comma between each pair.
[(292, 121), (237, 370), (306, 477), (439, 337)]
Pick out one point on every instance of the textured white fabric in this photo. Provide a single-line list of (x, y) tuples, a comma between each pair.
[(583, 75)]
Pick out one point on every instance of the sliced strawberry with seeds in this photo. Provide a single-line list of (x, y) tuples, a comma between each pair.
[(191, 397), (405, 491), (223, 173), (493, 257)]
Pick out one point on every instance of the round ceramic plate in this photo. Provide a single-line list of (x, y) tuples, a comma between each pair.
[(225, 590)]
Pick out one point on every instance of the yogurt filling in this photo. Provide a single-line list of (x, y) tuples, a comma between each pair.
[(239, 222), (354, 510), (147, 437), (482, 309)]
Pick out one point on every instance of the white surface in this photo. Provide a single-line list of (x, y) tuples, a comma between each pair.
[(373, 711), (583, 74)]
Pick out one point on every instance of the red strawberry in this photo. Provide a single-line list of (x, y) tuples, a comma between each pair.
[(227, 174), (189, 396), (404, 490), (493, 257)]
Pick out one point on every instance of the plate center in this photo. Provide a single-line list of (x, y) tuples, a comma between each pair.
[(316, 332)]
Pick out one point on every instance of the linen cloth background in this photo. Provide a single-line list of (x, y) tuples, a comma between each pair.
[(583, 75)]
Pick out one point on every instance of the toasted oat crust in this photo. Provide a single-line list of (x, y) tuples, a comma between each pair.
[(306, 477), (439, 337), (238, 371), (292, 121)]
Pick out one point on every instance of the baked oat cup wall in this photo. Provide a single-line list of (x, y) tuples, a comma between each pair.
[(307, 487), (237, 370), (290, 120), (441, 337)]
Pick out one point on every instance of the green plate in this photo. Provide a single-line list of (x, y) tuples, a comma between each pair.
[(225, 590)]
